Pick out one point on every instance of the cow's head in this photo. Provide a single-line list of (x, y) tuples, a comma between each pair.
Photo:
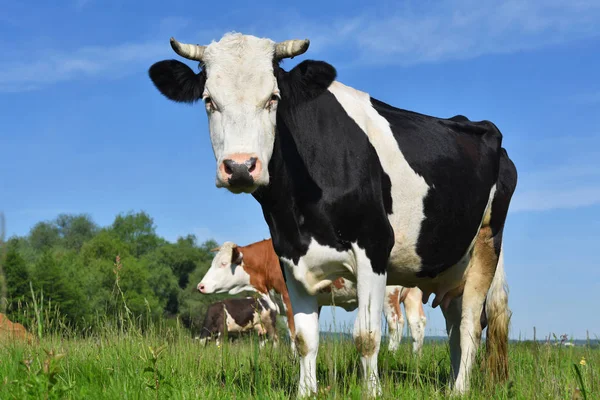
[(226, 273), (241, 85)]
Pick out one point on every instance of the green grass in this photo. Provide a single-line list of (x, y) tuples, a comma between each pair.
[(165, 362)]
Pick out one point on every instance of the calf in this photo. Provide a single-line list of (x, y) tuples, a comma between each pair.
[(239, 316), (256, 267)]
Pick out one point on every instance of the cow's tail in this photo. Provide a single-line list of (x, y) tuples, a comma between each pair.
[(498, 318)]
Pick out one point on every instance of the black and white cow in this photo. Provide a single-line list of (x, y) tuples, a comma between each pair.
[(353, 187), (239, 316)]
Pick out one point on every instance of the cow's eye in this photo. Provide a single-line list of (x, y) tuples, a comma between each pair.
[(273, 100), (210, 105), (224, 264)]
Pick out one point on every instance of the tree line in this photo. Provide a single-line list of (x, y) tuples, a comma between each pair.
[(71, 263)]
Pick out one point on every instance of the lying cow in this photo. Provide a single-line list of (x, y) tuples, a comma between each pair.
[(13, 331), (256, 267), (239, 316)]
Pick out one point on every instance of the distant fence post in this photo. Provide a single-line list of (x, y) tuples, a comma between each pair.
[(3, 290)]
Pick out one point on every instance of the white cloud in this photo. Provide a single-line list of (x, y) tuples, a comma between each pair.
[(544, 200), (462, 29), (566, 186), (416, 33), (49, 65), (89, 61), (54, 66)]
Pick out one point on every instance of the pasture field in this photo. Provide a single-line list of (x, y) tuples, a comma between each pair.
[(165, 362)]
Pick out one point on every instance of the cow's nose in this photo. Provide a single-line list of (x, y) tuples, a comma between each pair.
[(201, 288), (240, 170)]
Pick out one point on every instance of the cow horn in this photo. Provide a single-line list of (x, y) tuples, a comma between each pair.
[(215, 249), (291, 48), (189, 51)]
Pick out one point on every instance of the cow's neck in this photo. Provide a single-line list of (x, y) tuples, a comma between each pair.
[(309, 158), (289, 192), (258, 264)]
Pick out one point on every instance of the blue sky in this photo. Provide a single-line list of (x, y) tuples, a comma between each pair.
[(82, 129)]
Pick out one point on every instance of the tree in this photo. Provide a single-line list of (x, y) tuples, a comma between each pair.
[(71, 260), (75, 230), (182, 257), (97, 282), (43, 236), (163, 283), (137, 230), (17, 276), (3, 290), (60, 285), (134, 281), (207, 246), (106, 245)]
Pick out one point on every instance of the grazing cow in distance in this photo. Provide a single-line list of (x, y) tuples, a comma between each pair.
[(239, 316), (256, 267), (356, 188)]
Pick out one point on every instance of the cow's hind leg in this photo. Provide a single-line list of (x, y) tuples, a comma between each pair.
[(394, 317), (291, 329), (478, 281), (413, 305), (306, 321), (484, 279), (497, 316), (262, 340), (497, 312), (367, 327)]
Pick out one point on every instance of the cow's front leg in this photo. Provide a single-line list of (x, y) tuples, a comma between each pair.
[(291, 328), (367, 327), (306, 321)]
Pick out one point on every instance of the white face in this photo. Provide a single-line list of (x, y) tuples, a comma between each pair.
[(241, 97), (225, 274)]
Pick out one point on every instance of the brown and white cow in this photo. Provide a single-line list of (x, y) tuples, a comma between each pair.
[(256, 268), (13, 331), (239, 316)]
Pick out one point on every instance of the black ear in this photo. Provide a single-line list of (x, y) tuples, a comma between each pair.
[(309, 79), (177, 81)]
